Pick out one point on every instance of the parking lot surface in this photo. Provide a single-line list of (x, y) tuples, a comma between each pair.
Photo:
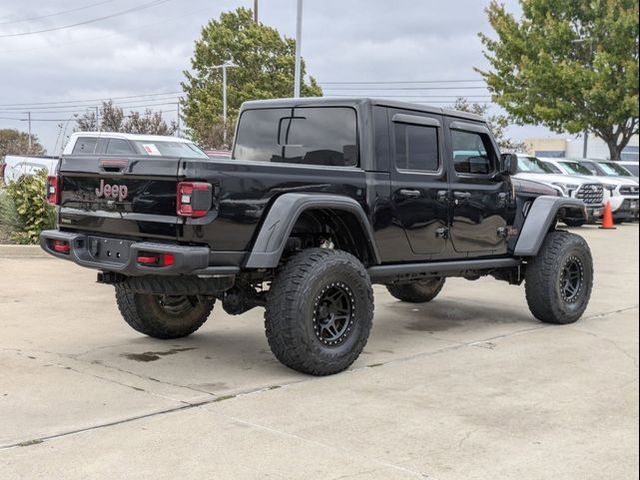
[(469, 386)]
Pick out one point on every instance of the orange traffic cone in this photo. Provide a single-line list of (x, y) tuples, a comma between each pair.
[(607, 218)]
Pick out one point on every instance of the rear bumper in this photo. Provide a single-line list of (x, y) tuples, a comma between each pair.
[(121, 256)]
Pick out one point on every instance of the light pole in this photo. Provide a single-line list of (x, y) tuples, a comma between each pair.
[(585, 140), (224, 66), (297, 75)]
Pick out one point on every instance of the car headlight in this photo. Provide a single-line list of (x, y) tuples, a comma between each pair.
[(567, 188)]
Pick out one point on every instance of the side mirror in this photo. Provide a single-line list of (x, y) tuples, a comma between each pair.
[(508, 164)]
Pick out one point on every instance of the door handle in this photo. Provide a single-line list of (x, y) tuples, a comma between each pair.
[(410, 193), (462, 195)]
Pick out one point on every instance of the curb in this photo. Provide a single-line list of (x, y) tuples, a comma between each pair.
[(21, 251)]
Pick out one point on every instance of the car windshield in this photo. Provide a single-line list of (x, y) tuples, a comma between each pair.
[(532, 165), (161, 148), (633, 168), (614, 169), (574, 168)]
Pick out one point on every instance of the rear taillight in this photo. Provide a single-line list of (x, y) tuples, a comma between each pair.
[(53, 190), (60, 246), (156, 259), (194, 199)]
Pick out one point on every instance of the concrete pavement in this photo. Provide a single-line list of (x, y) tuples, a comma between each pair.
[(470, 386)]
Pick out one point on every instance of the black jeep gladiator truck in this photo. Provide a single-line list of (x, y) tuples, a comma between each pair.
[(321, 199)]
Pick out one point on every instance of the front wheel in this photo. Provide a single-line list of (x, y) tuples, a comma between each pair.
[(319, 312), (163, 316), (560, 279)]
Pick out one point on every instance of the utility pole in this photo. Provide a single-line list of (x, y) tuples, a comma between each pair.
[(255, 11), (585, 139), (297, 75), (98, 118), (224, 66), (30, 141), (178, 117)]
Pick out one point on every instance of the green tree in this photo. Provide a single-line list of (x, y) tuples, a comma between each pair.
[(265, 69), (14, 142), (569, 65), (113, 119), (497, 123)]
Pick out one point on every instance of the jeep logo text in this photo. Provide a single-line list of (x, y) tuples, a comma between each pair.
[(112, 191)]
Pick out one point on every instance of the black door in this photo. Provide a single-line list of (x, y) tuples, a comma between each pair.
[(480, 197), (419, 181)]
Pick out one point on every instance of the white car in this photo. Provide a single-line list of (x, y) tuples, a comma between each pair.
[(631, 166), (15, 166), (113, 143), (589, 190), (621, 192)]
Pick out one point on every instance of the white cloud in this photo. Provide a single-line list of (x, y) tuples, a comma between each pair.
[(145, 52)]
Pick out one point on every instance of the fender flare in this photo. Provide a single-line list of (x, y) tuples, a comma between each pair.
[(542, 215), (282, 217)]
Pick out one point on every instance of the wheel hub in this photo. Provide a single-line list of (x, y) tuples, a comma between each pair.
[(571, 279), (334, 313)]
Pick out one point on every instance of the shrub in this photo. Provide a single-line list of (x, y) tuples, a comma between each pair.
[(24, 209)]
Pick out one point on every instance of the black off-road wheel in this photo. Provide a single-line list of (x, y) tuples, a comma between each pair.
[(560, 279), (163, 316), (422, 291), (319, 312)]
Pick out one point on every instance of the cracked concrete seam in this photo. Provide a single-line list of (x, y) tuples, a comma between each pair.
[(457, 345)]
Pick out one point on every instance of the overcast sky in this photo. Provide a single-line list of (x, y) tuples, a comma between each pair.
[(145, 51)]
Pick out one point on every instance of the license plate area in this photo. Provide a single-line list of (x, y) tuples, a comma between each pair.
[(109, 250)]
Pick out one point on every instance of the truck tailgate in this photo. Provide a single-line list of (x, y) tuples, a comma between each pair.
[(119, 196)]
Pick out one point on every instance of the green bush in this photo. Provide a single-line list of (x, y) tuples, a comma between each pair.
[(24, 209)]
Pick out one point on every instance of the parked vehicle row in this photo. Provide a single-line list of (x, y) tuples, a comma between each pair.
[(595, 182), (590, 191), (620, 186)]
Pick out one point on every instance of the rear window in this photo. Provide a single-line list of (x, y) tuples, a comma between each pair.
[(85, 146), (118, 146), (306, 135)]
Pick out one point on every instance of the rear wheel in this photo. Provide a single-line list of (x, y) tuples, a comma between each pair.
[(319, 312), (560, 279), (417, 292), (163, 316)]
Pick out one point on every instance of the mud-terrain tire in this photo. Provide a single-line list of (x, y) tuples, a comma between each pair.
[(319, 312), (422, 291), (559, 279), (163, 316)]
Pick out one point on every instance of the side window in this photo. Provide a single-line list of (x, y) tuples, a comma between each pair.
[(85, 146), (304, 135), (118, 146), (472, 152), (416, 147)]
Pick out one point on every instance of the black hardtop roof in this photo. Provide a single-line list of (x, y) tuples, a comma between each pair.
[(360, 101)]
